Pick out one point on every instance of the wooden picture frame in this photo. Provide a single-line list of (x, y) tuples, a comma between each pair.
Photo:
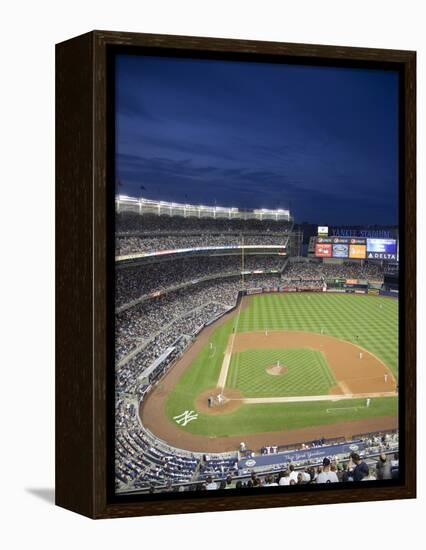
[(83, 268)]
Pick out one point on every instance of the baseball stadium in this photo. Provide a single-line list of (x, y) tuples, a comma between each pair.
[(246, 358)]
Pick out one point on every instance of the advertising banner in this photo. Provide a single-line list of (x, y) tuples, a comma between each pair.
[(392, 293), (340, 250), (357, 251), (323, 230), (381, 245), (340, 290), (316, 454), (323, 250), (382, 249), (357, 241)]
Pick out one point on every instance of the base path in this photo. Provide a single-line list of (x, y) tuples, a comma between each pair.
[(300, 398), (225, 367), (228, 352)]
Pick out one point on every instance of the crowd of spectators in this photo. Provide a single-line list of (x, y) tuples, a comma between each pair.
[(131, 222), (137, 244), (189, 307), (354, 270), (347, 270), (140, 322), (176, 335), (141, 462), (354, 468), (378, 461), (134, 282), (307, 271), (145, 319)]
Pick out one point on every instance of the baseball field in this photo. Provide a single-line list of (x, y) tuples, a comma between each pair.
[(283, 368)]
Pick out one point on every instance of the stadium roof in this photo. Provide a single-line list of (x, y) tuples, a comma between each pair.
[(125, 203)]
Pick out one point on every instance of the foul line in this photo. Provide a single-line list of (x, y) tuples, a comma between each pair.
[(228, 354), (298, 399), (328, 411)]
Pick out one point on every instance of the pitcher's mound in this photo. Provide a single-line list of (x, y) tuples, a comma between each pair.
[(276, 370), (226, 401)]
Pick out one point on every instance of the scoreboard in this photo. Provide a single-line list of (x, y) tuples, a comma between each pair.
[(382, 249), (357, 248)]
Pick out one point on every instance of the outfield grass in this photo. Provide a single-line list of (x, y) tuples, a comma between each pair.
[(308, 373), (368, 321)]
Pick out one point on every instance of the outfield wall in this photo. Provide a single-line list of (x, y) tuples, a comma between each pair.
[(333, 290), (389, 293)]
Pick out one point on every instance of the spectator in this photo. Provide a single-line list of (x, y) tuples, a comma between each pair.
[(269, 482), (293, 473), (357, 468), (383, 467), (327, 476), (285, 479)]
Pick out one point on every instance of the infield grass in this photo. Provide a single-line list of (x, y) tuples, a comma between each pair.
[(308, 373)]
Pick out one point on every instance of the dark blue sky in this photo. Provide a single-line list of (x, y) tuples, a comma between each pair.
[(323, 141)]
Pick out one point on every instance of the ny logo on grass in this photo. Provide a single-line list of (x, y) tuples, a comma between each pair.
[(185, 417)]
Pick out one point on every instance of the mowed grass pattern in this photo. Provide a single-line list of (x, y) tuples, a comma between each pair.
[(373, 320), (308, 373), (368, 321)]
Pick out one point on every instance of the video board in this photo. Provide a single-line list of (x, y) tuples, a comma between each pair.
[(323, 250), (340, 250), (357, 251), (382, 249), (357, 248)]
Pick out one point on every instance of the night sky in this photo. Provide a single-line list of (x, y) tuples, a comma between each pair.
[(322, 141)]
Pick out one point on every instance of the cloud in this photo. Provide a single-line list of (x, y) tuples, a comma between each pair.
[(247, 134)]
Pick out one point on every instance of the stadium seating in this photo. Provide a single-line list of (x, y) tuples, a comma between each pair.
[(161, 304)]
